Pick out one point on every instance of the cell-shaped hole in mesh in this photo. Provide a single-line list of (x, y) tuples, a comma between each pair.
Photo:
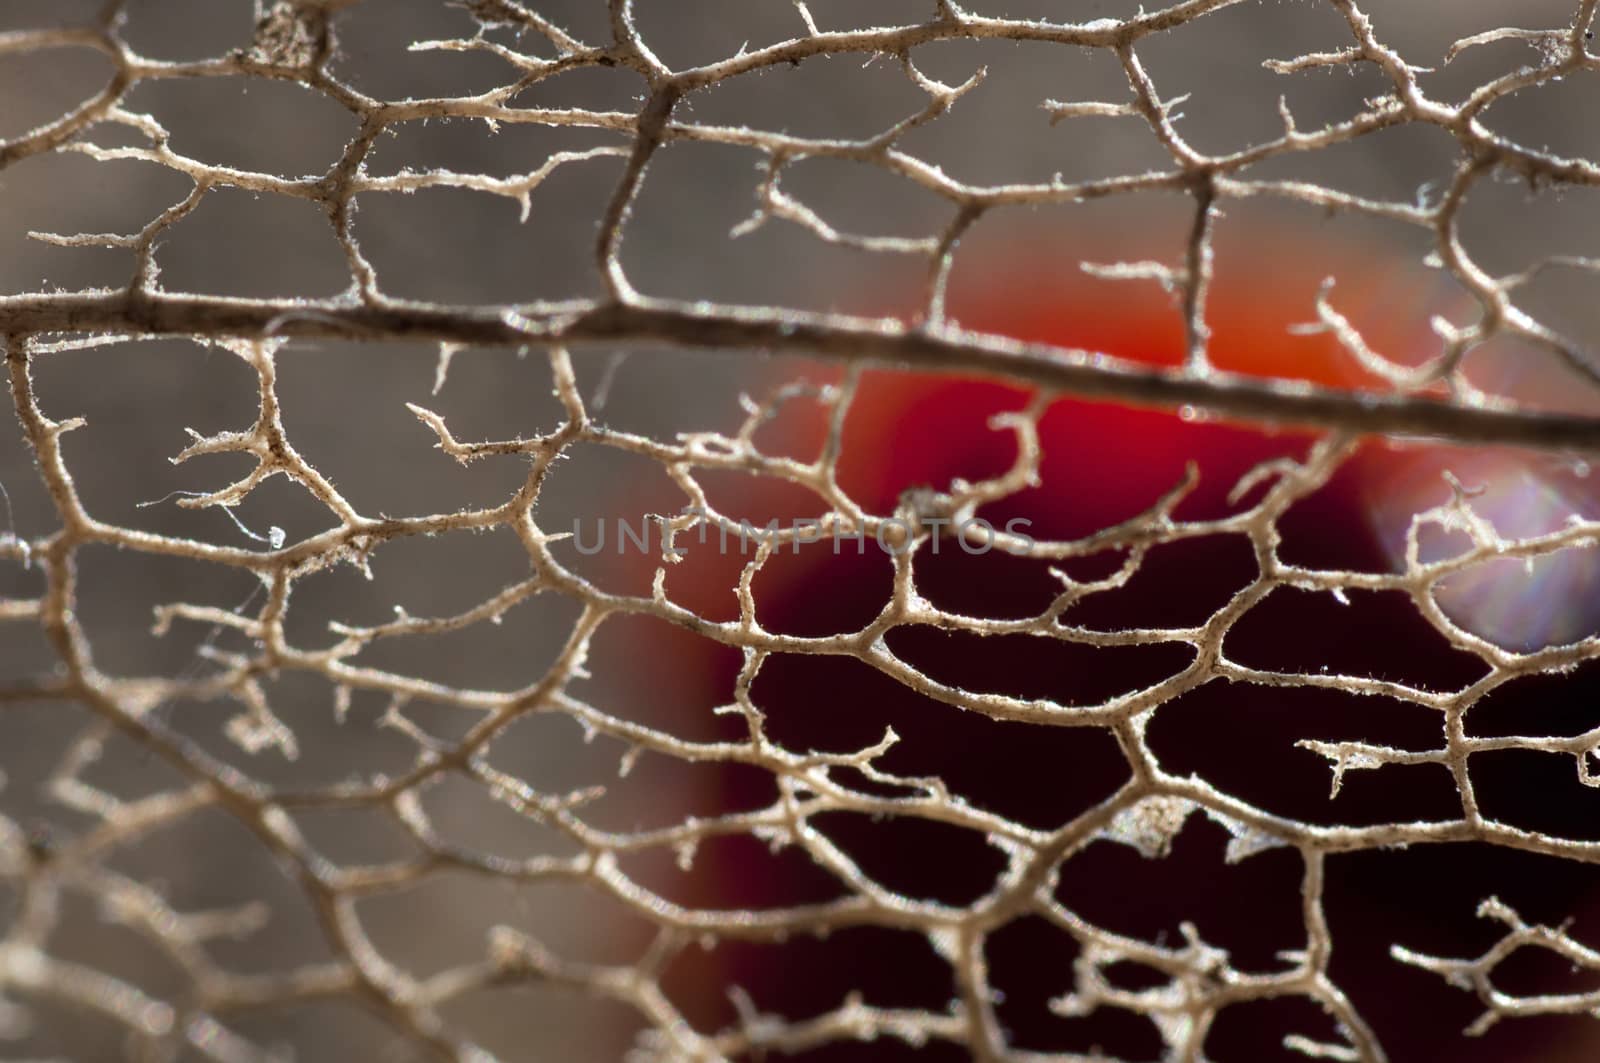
[(830, 704), (254, 246), (832, 587), (840, 97), (807, 975), (1332, 528), (1250, 742), (1037, 668), (920, 858), (605, 88), (865, 201), (1117, 888), (1558, 705), (277, 128), (1272, 636), (996, 584), (839, 704), (468, 146), (460, 245), (1537, 791), (1176, 585), (486, 628), (485, 393)]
